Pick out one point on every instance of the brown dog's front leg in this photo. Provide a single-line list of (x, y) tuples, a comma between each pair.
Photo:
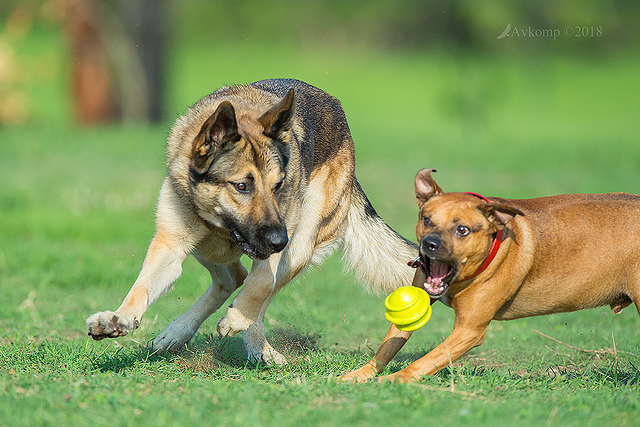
[(461, 340), (393, 342), (391, 345)]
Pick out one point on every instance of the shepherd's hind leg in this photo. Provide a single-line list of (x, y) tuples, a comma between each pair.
[(224, 280), (258, 349), (255, 342), (287, 268)]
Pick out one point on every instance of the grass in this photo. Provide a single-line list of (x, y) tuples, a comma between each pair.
[(76, 215)]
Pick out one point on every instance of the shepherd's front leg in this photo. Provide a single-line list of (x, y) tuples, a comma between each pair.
[(224, 280), (176, 236), (161, 267), (257, 289)]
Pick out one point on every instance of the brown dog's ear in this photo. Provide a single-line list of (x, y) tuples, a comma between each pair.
[(426, 187), (499, 214), (279, 118), (219, 129)]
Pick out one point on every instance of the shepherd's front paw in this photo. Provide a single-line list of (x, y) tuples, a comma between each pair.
[(108, 324), (233, 322)]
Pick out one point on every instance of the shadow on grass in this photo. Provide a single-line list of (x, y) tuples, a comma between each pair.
[(227, 358), (123, 360), (491, 367), (621, 376), (203, 353), (207, 353), (294, 342), (592, 369)]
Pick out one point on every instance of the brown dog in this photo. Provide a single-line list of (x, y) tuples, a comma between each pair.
[(506, 259)]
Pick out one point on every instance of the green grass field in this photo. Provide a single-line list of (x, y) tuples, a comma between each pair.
[(77, 210)]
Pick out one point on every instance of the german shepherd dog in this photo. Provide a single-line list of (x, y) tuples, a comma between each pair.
[(266, 170)]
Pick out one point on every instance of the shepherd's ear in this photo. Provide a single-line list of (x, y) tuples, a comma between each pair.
[(279, 118), (426, 187), (499, 214), (218, 130)]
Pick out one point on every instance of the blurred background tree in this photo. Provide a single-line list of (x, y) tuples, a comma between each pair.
[(116, 58)]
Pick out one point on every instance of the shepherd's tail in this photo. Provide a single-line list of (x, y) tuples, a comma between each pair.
[(374, 251)]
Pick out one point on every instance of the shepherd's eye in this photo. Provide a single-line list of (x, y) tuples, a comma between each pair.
[(462, 230), (241, 187), (277, 187)]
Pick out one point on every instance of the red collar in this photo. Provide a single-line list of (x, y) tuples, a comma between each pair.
[(497, 240)]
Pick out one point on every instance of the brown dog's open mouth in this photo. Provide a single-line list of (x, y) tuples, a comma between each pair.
[(439, 276)]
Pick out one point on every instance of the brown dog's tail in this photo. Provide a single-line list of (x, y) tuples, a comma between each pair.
[(376, 254)]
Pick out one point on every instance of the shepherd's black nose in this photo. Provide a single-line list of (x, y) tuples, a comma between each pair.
[(276, 238), (430, 244)]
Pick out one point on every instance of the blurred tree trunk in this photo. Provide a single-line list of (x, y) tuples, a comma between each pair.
[(91, 80), (117, 59)]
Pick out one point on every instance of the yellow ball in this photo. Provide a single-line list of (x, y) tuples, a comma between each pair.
[(408, 307)]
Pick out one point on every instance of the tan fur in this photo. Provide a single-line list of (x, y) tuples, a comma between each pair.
[(245, 165), (559, 254)]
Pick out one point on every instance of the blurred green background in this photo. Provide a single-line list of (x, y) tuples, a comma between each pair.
[(505, 98), (515, 98)]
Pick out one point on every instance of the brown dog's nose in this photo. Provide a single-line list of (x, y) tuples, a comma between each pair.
[(430, 244)]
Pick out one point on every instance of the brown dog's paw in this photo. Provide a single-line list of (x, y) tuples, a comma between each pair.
[(359, 375), (398, 377), (108, 324)]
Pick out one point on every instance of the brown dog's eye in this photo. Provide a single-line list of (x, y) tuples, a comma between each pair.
[(462, 230), (427, 222)]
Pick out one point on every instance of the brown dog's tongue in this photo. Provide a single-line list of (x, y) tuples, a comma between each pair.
[(439, 271), (435, 284)]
